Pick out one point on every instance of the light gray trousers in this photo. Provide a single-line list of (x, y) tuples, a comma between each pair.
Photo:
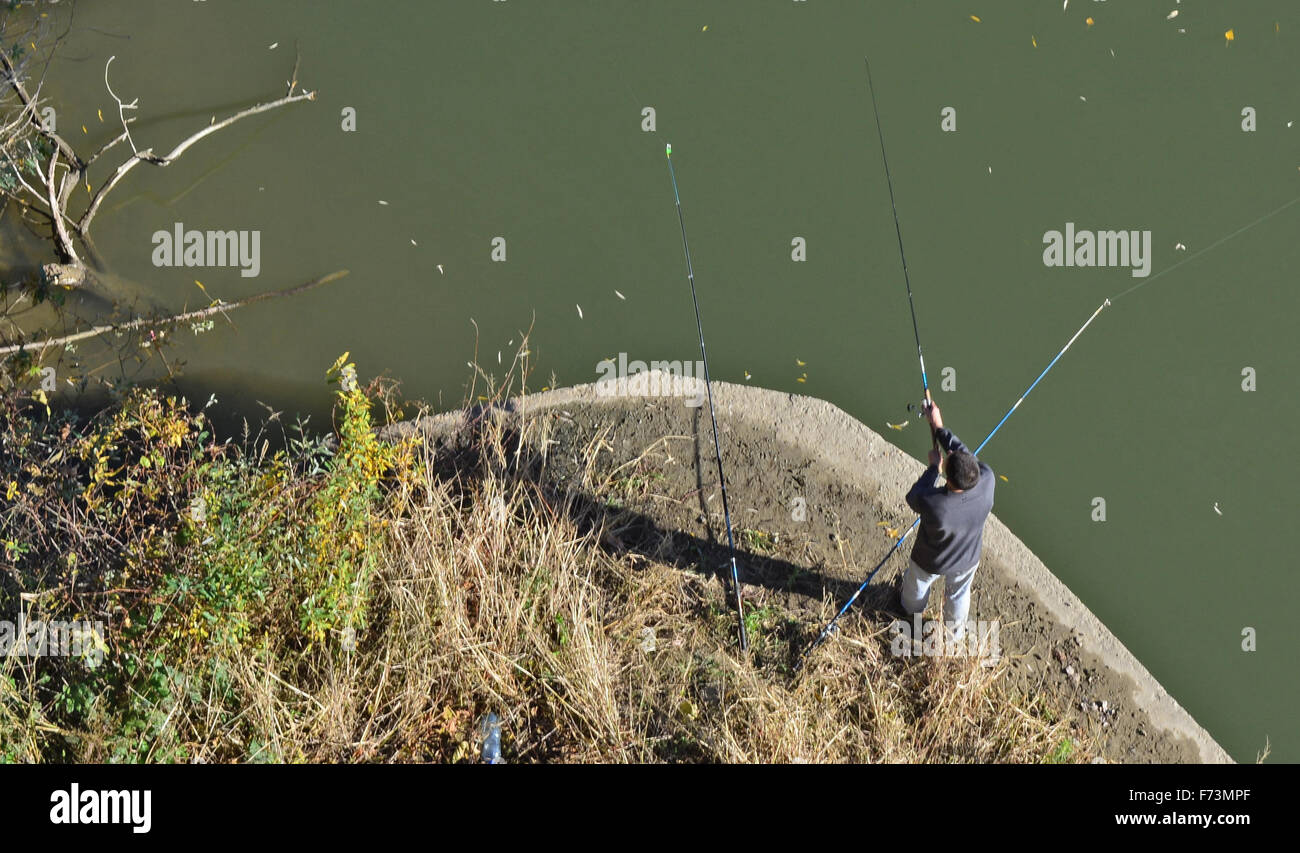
[(956, 594)]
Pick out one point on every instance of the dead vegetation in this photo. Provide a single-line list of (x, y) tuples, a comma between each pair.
[(371, 601)]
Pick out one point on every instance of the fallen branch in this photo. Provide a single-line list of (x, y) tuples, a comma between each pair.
[(121, 107), (218, 307), (29, 107), (147, 155), (60, 227), (57, 195)]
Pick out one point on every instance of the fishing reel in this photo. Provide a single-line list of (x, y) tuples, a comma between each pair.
[(921, 409)]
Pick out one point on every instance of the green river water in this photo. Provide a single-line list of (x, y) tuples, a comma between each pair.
[(524, 120)]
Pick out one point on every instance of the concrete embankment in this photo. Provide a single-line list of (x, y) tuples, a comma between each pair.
[(785, 452)]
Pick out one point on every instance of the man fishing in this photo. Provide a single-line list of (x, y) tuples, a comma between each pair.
[(951, 534)]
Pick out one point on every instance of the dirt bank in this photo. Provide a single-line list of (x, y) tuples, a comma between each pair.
[(809, 489)]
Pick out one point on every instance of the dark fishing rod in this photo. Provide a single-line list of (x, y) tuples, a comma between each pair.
[(831, 626), (717, 449), (916, 330)]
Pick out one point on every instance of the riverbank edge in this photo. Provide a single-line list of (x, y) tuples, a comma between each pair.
[(866, 460)]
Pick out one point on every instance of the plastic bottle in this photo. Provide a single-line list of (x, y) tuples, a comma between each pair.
[(490, 733)]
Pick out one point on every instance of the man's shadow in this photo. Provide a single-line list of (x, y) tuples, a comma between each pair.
[(627, 531)]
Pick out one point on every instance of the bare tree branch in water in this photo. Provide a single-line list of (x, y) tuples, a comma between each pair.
[(28, 117), (147, 156), (41, 171), (53, 197), (217, 307)]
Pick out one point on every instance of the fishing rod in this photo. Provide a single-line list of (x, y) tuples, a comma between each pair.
[(831, 626), (916, 331), (717, 449)]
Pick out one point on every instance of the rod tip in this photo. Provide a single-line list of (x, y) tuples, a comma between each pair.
[(1107, 303), (669, 149)]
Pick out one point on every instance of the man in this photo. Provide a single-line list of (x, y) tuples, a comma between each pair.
[(951, 534)]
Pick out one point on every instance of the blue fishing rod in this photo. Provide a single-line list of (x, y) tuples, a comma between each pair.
[(911, 303), (717, 449), (831, 627)]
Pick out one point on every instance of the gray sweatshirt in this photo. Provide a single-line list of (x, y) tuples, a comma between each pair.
[(951, 533)]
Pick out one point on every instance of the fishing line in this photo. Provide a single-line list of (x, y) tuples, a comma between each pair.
[(916, 331), (1213, 245), (831, 626), (717, 449)]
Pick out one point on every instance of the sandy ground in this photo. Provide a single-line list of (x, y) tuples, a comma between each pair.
[(809, 488)]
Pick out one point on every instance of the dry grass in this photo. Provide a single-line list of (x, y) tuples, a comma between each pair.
[(474, 584), (495, 598)]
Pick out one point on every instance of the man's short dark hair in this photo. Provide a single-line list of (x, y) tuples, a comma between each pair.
[(962, 471)]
